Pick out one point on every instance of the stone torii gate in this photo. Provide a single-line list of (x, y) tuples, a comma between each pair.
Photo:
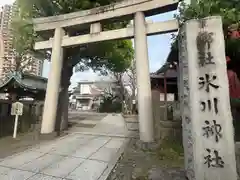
[(91, 19)]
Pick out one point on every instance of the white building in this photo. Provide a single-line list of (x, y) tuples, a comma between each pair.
[(87, 94)]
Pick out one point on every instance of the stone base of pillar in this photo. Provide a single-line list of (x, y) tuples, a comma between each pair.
[(51, 136), (131, 122)]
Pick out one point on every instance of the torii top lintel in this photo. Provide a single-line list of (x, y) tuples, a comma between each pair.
[(118, 10)]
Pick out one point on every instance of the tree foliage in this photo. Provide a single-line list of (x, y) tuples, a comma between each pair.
[(228, 10), (111, 55)]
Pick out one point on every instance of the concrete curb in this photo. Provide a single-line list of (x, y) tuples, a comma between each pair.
[(114, 161), (105, 134)]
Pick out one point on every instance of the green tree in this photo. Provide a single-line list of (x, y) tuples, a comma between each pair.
[(104, 56), (111, 55), (228, 10)]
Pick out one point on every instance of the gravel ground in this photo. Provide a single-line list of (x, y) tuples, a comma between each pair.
[(24, 141), (138, 164)]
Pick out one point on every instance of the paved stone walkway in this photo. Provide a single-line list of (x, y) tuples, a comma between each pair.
[(74, 157), (87, 156), (111, 125)]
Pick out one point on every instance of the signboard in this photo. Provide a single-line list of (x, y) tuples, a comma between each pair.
[(170, 97), (17, 109)]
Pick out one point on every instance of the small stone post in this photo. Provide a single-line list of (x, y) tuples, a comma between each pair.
[(207, 122), (156, 114)]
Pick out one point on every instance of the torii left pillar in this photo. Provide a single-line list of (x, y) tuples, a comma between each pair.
[(143, 81), (52, 93)]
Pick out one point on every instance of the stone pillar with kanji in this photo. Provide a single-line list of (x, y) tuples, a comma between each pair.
[(208, 137)]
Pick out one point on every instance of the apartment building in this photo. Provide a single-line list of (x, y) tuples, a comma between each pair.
[(7, 59)]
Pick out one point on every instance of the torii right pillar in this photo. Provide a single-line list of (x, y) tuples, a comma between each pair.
[(208, 137)]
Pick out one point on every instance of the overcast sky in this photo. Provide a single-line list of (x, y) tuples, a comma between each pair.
[(158, 48)]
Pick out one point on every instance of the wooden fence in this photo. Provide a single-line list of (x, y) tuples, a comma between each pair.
[(32, 113)]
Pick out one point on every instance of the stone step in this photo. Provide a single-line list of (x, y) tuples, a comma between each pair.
[(133, 126), (131, 122)]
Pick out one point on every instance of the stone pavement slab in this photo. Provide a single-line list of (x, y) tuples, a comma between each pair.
[(23, 158), (73, 157), (44, 177), (92, 147), (72, 145), (16, 174), (3, 169), (104, 154), (89, 170), (40, 163), (110, 125), (94, 122), (63, 167)]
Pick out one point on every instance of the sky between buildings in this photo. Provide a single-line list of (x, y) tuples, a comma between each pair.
[(158, 48)]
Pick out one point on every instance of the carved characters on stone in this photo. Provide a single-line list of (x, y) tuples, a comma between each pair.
[(213, 159), (212, 129), (209, 105), (204, 41), (207, 82)]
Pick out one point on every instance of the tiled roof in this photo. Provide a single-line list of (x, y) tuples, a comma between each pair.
[(27, 81), (170, 73)]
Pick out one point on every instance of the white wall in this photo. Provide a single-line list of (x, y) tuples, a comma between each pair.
[(190, 1), (85, 89), (187, 1)]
